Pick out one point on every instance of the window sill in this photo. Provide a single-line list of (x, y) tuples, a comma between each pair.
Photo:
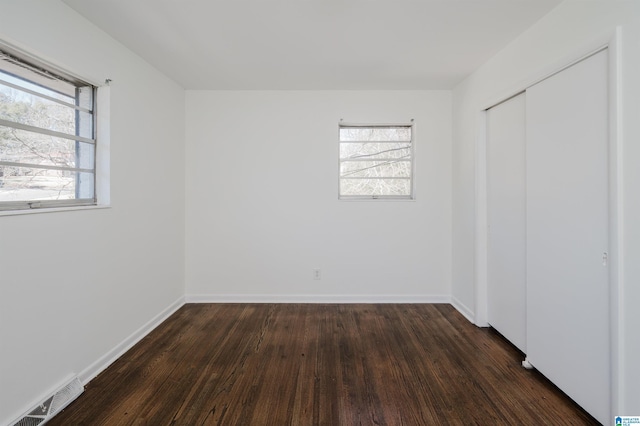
[(379, 200), (51, 210)]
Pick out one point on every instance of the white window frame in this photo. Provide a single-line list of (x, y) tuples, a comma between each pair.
[(411, 195), (32, 63)]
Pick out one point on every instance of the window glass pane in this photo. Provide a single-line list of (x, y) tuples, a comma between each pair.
[(375, 169), (376, 161), (84, 124), (25, 108), (84, 97), (26, 184), (375, 150), (35, 166), (85, 155), (85, 185), (36, 88), (375, 187), (21, 146), (394, 133)]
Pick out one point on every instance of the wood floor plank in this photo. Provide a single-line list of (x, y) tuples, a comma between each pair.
[(307, 364)]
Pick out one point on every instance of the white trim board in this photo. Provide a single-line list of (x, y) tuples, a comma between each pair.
[(107, 359), (315, 298), (465, 311)]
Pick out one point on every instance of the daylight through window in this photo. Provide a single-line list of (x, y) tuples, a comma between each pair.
[(47, 136), (376, 161)]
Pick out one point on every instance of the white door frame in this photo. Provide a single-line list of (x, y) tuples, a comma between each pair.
[(610, 41)]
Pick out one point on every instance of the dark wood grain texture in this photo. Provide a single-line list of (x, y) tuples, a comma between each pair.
[(306, 364)]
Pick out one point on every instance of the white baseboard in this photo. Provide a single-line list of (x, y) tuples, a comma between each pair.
[(101, 364), (463, 309), (315, 298)]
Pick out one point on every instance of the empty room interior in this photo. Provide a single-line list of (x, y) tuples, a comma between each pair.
[(308, 212)]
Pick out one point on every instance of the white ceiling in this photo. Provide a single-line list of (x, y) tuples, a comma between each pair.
[(315, 44)]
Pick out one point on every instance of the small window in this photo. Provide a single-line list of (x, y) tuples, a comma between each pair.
[(47, 136), (376, 161)]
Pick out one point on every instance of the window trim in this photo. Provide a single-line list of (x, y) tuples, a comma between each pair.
[(411, 197), (41, 66)]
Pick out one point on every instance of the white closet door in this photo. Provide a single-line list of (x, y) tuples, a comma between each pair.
[(506, 256), (567, 232)]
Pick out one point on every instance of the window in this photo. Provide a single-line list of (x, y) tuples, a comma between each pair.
[(376, 161), (47, 135)]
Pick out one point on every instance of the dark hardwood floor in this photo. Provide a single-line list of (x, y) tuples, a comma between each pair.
[(302, 364)]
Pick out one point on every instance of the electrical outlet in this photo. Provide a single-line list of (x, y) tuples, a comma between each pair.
[(316, 274)]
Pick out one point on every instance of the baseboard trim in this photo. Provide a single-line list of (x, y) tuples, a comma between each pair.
[(463, 309), (106, 360), (315, 298)]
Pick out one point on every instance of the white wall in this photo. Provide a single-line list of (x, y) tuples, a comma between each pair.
[(262, 207), (566, 31), (74, 285), (261, 199)]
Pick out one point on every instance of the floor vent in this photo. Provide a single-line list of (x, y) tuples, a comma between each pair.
[(52, 405)]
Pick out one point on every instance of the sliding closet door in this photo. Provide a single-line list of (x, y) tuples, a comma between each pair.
[(506, 257), (567, 232)]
